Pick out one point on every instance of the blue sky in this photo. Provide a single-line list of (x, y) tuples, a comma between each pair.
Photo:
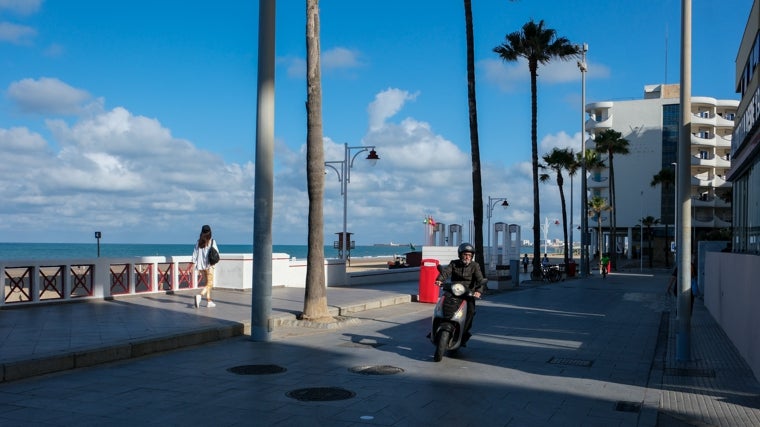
[(138, 118)]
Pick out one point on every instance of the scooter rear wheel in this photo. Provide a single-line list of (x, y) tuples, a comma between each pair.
[(441, 344)]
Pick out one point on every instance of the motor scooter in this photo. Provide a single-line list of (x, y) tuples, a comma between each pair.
[(449, 319)]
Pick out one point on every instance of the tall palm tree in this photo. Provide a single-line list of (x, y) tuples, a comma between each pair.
[(611, 142), (596, 206), (648, 222), (537, 45), (477, 187), (667, 178), (557, 160), (315, 298)]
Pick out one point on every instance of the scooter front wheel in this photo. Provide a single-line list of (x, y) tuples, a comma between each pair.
[(441, 344)]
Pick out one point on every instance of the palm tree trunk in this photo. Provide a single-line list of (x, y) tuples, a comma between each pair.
[(564, 217), (315, 298), (477, 187), (534, 158)]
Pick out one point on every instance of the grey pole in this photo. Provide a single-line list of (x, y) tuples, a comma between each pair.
[(346, 244), (584, 190), (261, 295), (683, 246)]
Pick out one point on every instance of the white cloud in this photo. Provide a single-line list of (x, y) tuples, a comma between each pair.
[(510, 76), (16, 34), (126, 174), (559, 140), (21, 7), (48, 96), (386, 105), (340, 57)]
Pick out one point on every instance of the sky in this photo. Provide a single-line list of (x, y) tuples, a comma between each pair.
[(138, 118)]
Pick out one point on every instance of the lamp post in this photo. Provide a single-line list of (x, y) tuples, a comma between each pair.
[(492, 201), (344, 176), (584, 191), (641, 235), (97, 236), (675, 210)]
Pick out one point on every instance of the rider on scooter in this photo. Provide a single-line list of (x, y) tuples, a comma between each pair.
[(467, 272)]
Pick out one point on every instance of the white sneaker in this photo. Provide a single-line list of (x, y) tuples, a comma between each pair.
[(210, 304), (197, 301)]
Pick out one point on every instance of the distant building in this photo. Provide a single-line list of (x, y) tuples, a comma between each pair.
[(651, 126), (745, 170)]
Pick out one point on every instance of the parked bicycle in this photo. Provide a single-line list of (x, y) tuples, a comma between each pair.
[(550, 273)]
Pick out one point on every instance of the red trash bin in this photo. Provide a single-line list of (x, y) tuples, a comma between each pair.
[(571, 268), (428, 291)]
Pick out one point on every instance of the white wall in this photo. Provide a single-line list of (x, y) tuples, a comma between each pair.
[(731, 295)]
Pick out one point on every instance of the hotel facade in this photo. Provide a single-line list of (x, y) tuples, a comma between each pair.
[(651, 127)]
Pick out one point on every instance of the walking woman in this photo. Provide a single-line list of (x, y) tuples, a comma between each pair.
[(200, 259)]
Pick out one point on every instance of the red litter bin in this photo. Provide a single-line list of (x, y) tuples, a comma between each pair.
[(428, 291), (571, 268)]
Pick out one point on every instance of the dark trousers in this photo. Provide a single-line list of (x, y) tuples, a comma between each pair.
[(468, 320)]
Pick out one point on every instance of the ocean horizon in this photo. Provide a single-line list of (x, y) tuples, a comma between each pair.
[(36, 251)]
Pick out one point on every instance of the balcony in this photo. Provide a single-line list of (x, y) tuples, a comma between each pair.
[(723, 141), (702, 201), (701, 182), (704, 138), (704, 119), (720, 182), (601, 123), (597, 180), (723, 122), (699, 160)]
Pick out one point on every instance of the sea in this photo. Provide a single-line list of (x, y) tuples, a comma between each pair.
[(35, 251)]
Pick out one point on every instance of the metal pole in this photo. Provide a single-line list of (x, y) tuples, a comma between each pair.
[(585, 267), (641, 235), (571, 217), (344, 237), (490, 210), (683, 246), (261, 295)]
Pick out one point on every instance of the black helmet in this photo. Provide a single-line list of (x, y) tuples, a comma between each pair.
[(466, 247)]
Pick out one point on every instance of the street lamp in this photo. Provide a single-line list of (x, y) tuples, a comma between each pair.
[(344, 176), (492, 201), (584, 191), (675, 209)]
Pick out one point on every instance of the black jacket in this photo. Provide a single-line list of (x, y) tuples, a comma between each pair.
[(469, 275)]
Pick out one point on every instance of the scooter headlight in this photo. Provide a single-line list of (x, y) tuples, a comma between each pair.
[(458, 289)]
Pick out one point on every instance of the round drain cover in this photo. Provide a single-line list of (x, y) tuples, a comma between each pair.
[(320, 394), (376, 370), (256, 369)]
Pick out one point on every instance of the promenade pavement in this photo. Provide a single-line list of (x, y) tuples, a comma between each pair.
[(581, 352)]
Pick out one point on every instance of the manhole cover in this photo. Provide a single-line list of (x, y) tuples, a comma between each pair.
[(570, 362), (376, 370), (690, 372), (622, 406), (256, 369), (320, 394)]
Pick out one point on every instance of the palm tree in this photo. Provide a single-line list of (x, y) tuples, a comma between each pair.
[(611, 142), (648, 222), (315, 298), (557, 160), (538, 45), (596, 206), (477, 187), (667, 178), (593, 163)]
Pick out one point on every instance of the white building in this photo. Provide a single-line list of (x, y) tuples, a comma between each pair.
[(651, 126)]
